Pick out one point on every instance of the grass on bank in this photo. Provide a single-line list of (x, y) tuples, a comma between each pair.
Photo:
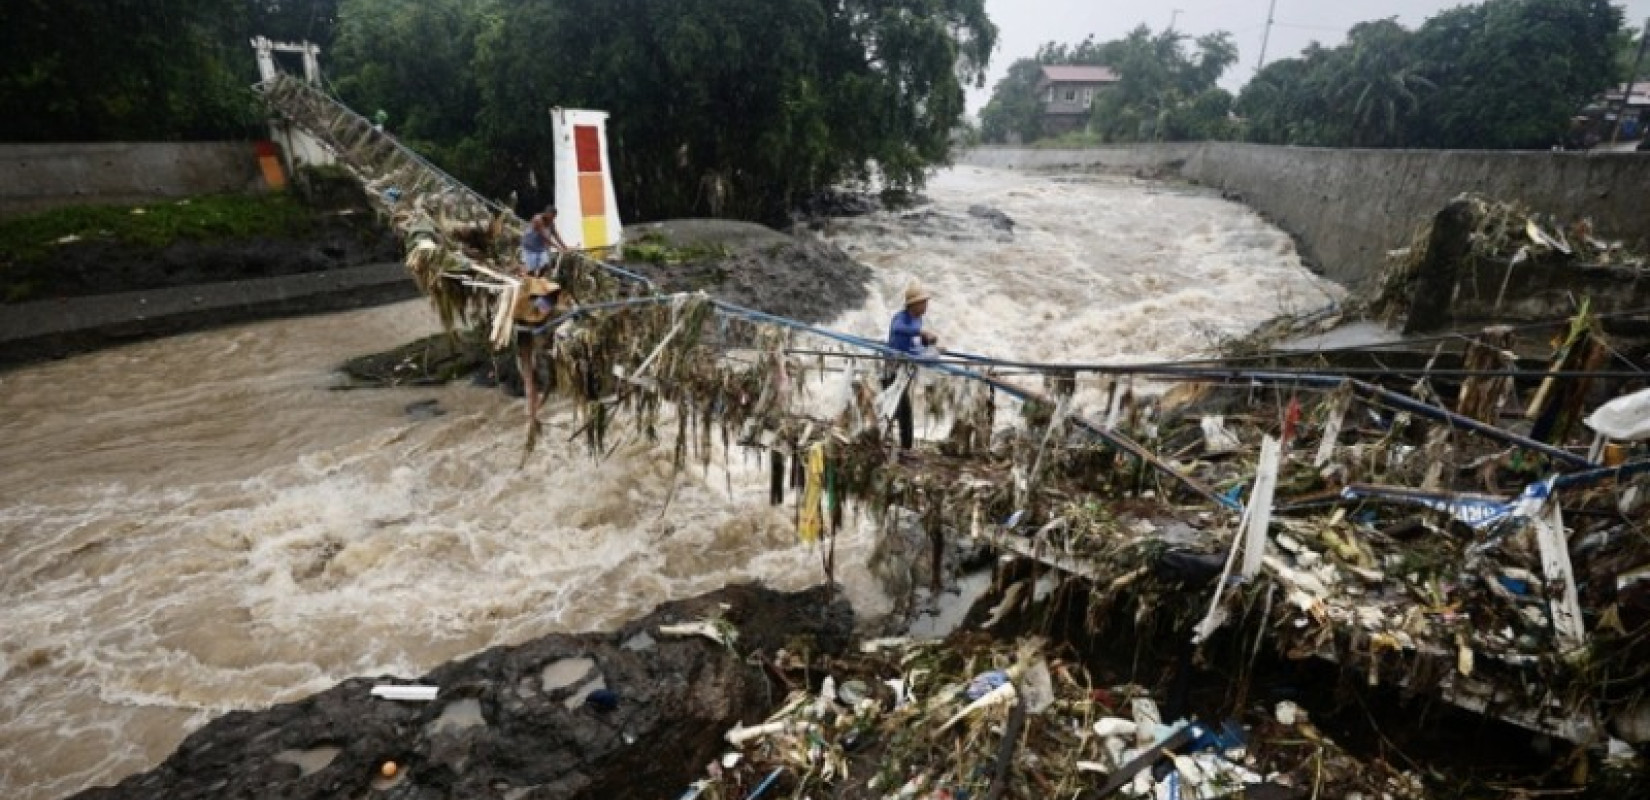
[(28, 244), (656, 249), (1073, 140), (153, 225)]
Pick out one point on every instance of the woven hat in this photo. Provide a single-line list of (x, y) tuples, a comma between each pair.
[(915, 294), (538, 286)]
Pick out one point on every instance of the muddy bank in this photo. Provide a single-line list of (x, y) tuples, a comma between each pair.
[(324, 222), (632, 713), (82, 278), (753, 266), (336, 241)]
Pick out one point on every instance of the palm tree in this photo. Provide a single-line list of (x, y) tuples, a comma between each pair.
[(1380, 84)]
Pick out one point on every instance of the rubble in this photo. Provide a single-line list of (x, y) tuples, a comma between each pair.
[(977, 718), (1483, 259)]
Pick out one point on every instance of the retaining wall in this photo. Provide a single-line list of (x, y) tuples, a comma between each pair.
[(1348, 208), (34, 177)]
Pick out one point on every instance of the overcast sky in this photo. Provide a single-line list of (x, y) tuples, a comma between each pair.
[(1025, 24)]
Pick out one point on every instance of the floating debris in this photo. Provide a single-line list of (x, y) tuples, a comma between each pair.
[(417, 694)]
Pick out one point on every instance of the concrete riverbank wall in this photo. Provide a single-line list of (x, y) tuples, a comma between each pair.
[(1348, 208), (35, 177)]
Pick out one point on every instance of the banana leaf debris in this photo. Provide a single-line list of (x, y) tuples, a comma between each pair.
[(1465, 536), (1486, 259), (1493, 552), (1469, 538)]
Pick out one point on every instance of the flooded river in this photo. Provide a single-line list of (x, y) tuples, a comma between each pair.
[(201, 524)]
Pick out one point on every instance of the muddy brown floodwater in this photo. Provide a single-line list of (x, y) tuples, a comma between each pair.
[(198, 524)]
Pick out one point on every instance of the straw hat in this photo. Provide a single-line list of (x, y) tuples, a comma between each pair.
[(915, 294), (537, 286)]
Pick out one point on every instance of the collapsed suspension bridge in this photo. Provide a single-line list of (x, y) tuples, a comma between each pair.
[(629, 354)]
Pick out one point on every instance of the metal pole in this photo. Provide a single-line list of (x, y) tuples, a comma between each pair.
[(1271, 13), (1632, 80)]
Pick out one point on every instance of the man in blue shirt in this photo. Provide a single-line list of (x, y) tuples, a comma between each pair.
[(906, 334), (535, 243)]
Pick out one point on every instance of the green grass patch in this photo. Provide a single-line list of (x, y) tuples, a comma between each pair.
[(33, 239), (655, 249), (1070, 141)]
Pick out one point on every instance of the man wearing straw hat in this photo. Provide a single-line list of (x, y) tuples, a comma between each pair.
[(906, 335), (536, 303)]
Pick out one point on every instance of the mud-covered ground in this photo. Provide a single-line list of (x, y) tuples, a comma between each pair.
[(325, 222), (335, 240), (797, 277)]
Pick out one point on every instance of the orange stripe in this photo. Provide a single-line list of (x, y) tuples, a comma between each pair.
[(593, 195)]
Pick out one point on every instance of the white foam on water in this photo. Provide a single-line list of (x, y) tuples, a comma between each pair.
[(199, 524), (1097, 268)]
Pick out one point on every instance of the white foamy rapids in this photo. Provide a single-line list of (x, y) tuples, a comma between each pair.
[(199, 524), (1097, 268)]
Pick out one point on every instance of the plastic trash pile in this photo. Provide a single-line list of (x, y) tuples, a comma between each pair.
[(974, 718)]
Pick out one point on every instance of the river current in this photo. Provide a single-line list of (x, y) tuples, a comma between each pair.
[(202, 524)]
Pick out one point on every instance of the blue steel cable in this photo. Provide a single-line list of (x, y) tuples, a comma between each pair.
[(765, 785), (1113, 438), (1022, 395)]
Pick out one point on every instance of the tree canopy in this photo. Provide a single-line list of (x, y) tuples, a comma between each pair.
[(1165, 90), (724, 107), (121, 69), (1499, 74), (733, 107), (413, 59), (140, 70), (739, 107)]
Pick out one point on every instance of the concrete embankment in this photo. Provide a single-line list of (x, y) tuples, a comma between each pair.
[(56, 328), (1348, 208), (34, 177)]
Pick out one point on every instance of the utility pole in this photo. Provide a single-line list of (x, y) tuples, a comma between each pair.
[(1271, 14), (1174, 15), (1632, 80)]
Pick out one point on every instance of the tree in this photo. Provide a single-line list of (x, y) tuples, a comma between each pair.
[(124, 69), (1628, 43), (1014, 112), (1500, 74), (1277, 101), (1379, 85), (414, 59), (1163, 92), (735, 107), (310, 21), (1511, 73)]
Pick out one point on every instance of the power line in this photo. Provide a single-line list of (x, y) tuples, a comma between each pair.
[(1267, 36)]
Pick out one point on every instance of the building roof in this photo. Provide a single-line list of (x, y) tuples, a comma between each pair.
[(1640, 95), (1078, 74)]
